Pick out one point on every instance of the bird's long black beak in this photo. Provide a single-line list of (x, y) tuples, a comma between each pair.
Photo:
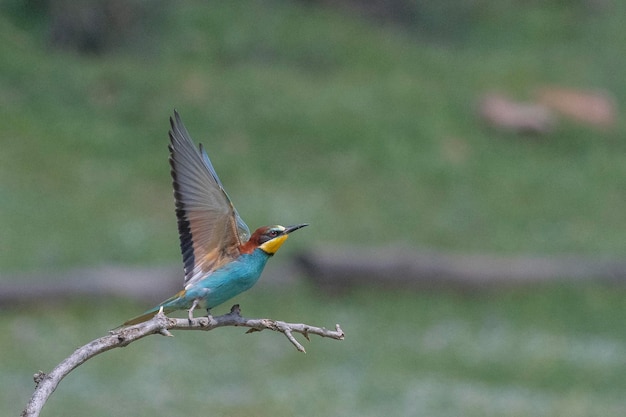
[(290, 229)]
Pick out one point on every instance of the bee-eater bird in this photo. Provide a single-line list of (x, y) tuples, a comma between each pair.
[(220, 257)]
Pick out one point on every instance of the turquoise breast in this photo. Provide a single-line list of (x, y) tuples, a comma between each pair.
[(229, 281)]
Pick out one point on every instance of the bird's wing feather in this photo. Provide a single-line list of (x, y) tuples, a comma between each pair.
[(209, 226)]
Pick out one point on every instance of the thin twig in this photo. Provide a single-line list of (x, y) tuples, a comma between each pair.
[(161, 324)]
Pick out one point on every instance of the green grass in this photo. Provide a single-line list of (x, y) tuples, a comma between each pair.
[(366, 131), (551, 352)]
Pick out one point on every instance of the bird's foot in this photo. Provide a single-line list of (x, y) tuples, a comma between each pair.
[(190, 311)]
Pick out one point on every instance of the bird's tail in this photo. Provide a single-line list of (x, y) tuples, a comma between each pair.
[(169, 305), (148, 315)]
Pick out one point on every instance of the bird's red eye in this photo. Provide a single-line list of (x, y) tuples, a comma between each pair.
[(273, 233)]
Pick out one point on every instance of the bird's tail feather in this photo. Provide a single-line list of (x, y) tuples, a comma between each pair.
[(148, 315), (169, 305)]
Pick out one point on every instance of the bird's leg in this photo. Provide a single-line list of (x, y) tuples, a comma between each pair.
[(193, 306), (208, 314)]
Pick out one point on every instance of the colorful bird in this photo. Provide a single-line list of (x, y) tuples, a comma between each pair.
[(221, 259)]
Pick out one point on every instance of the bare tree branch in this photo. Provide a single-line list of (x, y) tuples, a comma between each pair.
[(161, 324)]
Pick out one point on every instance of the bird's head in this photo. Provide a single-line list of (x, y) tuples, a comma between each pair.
[(269, 238)]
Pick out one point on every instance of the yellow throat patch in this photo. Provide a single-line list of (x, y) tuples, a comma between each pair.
[(271, 246)]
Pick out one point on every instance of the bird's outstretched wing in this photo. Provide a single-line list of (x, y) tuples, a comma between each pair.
[(209, 226)]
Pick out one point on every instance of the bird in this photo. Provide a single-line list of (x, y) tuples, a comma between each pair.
[(221, 259)]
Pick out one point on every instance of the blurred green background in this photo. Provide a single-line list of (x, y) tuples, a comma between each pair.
[(357, 117)]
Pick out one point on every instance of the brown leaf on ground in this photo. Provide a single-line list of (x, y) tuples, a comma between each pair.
[(591, 107), (500, 112)]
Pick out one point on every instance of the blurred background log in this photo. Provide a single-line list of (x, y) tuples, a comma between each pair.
[(339, 268), (147, 284), (330, 269)]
